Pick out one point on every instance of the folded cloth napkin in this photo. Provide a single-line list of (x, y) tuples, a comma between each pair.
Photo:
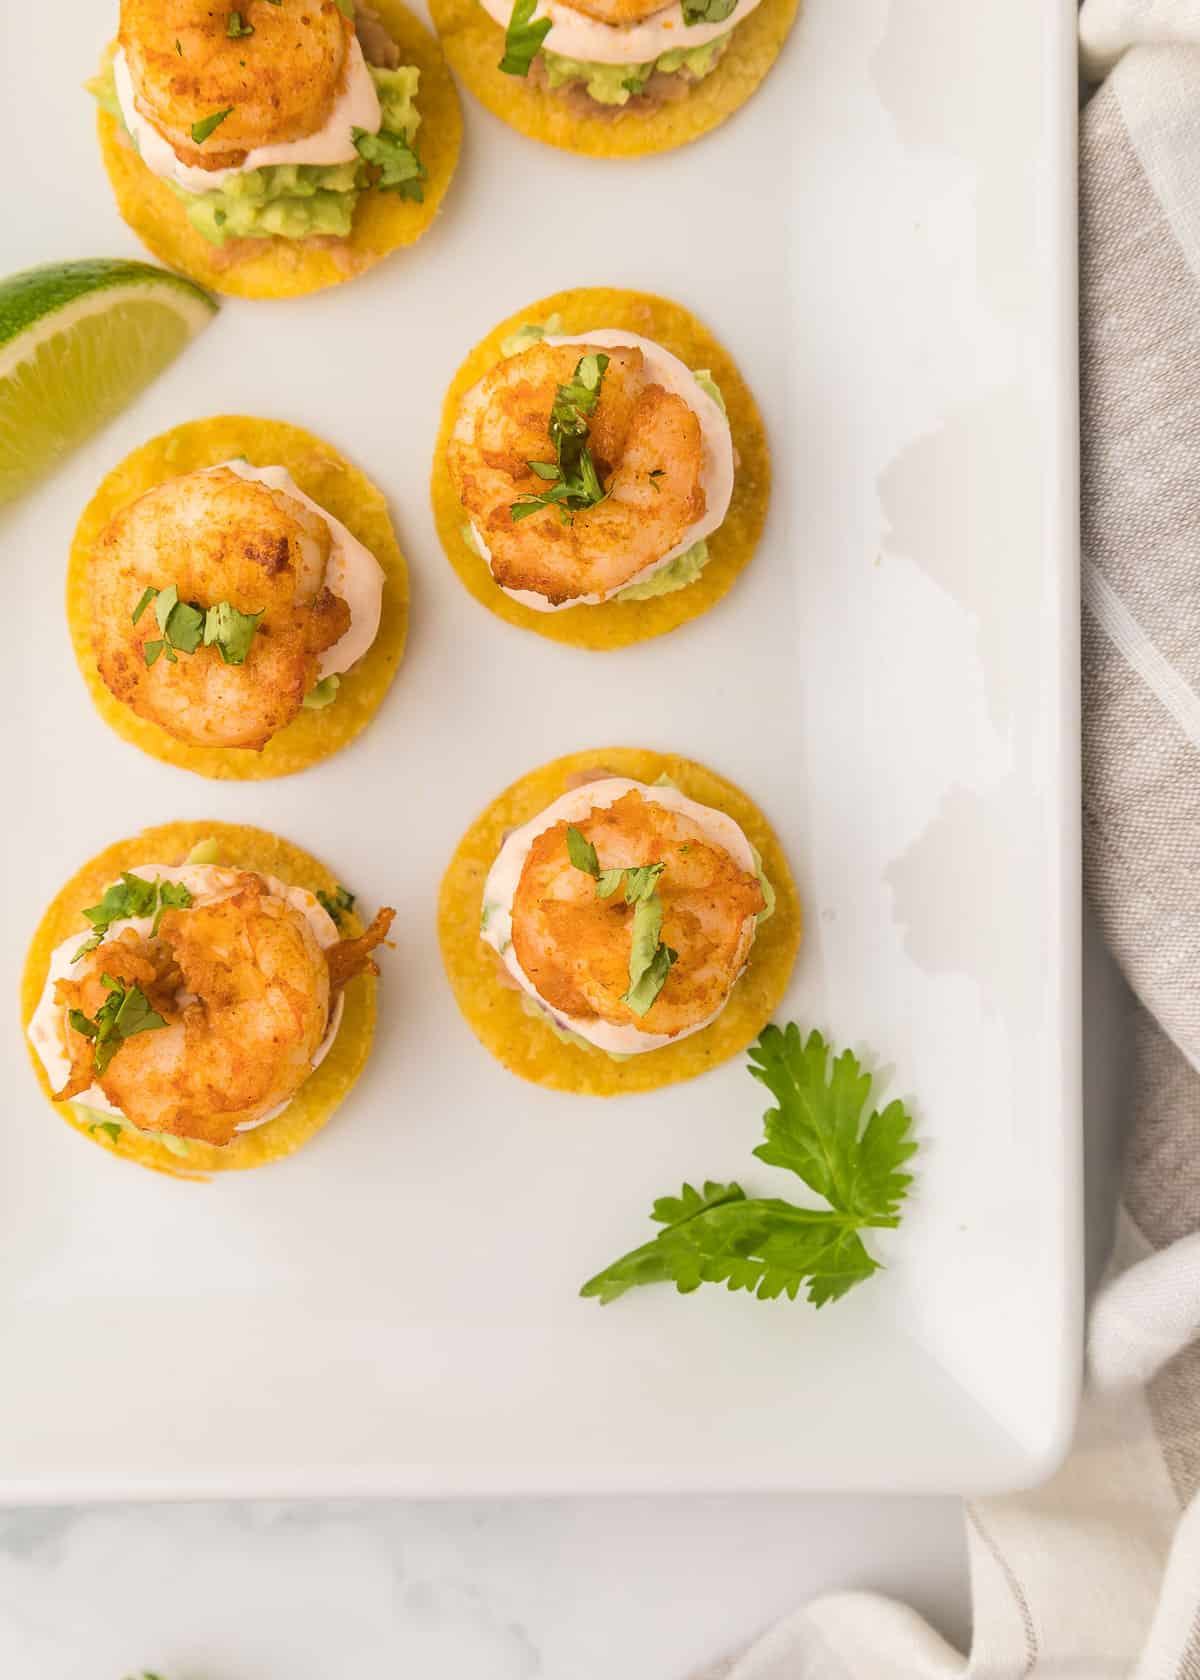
[(1096, 1576)]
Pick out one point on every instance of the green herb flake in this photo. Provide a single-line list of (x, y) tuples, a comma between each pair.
[(523, 38), (230, 631), (576, 483), (202, 129), (147, 596), (336, 904), (124, 1013), (400, 169), (707, 11), (236, 27)]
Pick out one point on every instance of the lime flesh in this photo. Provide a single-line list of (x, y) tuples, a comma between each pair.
[(77, 342)]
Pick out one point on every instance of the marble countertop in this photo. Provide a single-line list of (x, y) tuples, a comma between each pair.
[(570, 1589)]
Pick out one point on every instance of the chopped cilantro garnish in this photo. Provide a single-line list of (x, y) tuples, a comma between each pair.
[(125, 1012), (185, 626), (650, 961), (132, 896), (400, 169), (230, 630), (523, 38), (202, 129), (576, 483), (707, 11), (336, 903), (236, 27)]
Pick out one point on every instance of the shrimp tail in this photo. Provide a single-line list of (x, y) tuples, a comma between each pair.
[(353, 956)]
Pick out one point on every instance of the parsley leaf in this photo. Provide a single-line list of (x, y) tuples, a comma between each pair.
[(573, 472), (202, 129), (236, 27), (400, 169), (707, 11), (523, 38), (768, 1246), (335, 903)]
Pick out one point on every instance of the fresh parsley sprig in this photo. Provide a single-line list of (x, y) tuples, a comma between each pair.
[(132, 896), (650, 961), (768, 1246), (185, 626), (125, 1012), (576, 483), (400, 169), (523, 38)]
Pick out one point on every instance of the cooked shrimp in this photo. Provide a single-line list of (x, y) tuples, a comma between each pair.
[(278, 84), (620, 13), (216, 537), (648, 448), (245, 991), (574, 946)]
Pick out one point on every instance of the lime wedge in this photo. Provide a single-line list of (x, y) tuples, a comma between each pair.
[(77, 342)]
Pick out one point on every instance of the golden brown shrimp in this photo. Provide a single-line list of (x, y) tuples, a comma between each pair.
[(620, 13), (648, 448), (574, 946), (216, 537), (246, 993), (279, 83)]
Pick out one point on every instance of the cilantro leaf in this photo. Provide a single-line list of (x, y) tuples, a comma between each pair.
[(147, 596), (335, 904), (643, 991), (576, 483), (816, 1131), (523, 38), (707, 11), (124, 1013), (172, 895), (768, 1246), (131, 896), (230, 630), (400, 169), (202, 129), (582, 853)]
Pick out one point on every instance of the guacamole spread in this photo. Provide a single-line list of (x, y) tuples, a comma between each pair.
[(616, 84)]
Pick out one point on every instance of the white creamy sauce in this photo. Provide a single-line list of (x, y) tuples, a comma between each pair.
[(357, 106), (716, 473), (352, 571), (505, 874), (573, 35), (207, 883)]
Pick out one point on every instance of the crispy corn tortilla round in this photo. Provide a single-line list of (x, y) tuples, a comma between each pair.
[(288, 267), (315, 1101), (474, 45), (526, 1044), (343, 491), (615, 624)]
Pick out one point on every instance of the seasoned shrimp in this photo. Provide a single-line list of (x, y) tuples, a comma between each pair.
[(574, 946), (648, 447), (245, 992), (278, 84), (620, 13), (216, 537)]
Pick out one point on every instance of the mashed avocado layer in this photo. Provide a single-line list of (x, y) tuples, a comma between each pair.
[(616, 84), (294, 201)]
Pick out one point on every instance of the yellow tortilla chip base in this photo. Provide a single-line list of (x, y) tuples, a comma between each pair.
[(284, 268), (474, 45), (527, 1045), (343, 491), (615, 624), (240, 847)]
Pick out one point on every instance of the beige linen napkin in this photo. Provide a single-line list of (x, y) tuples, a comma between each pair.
[(1096, 1576)]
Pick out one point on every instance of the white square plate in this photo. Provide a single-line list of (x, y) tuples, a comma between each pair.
[(884, 238)]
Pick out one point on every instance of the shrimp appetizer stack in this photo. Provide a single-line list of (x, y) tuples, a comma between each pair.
[(211, 1007), (613, 78), (637, 923), (602, 474), (225, 619), (273, 150)]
